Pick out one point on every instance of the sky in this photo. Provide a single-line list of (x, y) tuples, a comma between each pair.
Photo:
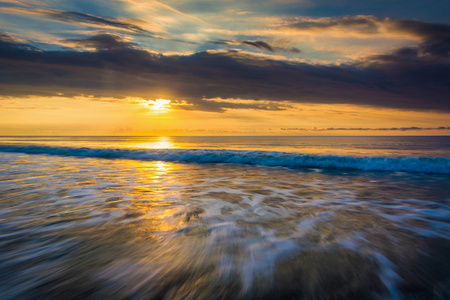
[(224, 67)]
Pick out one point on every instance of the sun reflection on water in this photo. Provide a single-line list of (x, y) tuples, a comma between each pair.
[(152, 204), (160, 142)]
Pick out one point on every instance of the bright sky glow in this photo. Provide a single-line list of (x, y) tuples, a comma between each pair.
[(158, 104)]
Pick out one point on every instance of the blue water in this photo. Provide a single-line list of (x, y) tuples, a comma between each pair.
[(224, 217)]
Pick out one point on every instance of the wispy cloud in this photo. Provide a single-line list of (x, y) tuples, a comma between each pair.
[(90, 19), (371, 25), (220, 105), (101, 41), (411, 128), (125, 25), (362, 24), (259, 45)]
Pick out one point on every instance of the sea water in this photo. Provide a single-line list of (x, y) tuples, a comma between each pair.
[(224, 218)]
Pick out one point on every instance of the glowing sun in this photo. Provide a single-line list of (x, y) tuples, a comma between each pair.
[(158, 104)]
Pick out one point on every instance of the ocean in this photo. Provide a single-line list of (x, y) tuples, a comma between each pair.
[(224, 218)]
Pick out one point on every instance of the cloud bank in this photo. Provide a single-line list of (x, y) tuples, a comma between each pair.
[(416, 78)]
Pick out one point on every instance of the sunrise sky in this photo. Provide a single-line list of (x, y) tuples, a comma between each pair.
[(224, 67)]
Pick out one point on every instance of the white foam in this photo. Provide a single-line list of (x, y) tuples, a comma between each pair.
[(280, 159)]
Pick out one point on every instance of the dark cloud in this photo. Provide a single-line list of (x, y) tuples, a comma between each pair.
[(8, 41), (436, 37), (7, 38), (399, 80), (90, 19), (437, 48), (102, 41), (428, 31), (422, 68), (258, 44), (421, 72)]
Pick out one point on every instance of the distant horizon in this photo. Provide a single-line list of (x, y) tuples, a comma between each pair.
[(225, 135)]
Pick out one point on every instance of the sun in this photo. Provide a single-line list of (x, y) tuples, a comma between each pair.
[(158, 104)]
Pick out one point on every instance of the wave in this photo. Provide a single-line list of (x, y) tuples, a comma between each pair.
[(266, 158)]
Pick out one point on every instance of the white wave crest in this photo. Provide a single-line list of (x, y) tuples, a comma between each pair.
[(266, 158)]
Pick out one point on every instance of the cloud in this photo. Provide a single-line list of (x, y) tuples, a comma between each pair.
[(222, 105), (413, 128), (259, 45), (363, 24), (9, 41), (78, 18), (423, 67), (435, 37), (117, 69), (428, 33), (7, 38), (101, 41), (120, 25), (90, 19)]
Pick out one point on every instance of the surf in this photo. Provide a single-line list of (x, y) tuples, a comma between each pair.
[(265, 158)]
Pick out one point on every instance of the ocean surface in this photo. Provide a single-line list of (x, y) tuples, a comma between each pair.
[(224, 218)]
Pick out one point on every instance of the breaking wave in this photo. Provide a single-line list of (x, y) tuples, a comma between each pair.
[(265, 158)]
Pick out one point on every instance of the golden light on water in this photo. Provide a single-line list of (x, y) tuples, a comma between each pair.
[(152, 203), (160, 142)]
